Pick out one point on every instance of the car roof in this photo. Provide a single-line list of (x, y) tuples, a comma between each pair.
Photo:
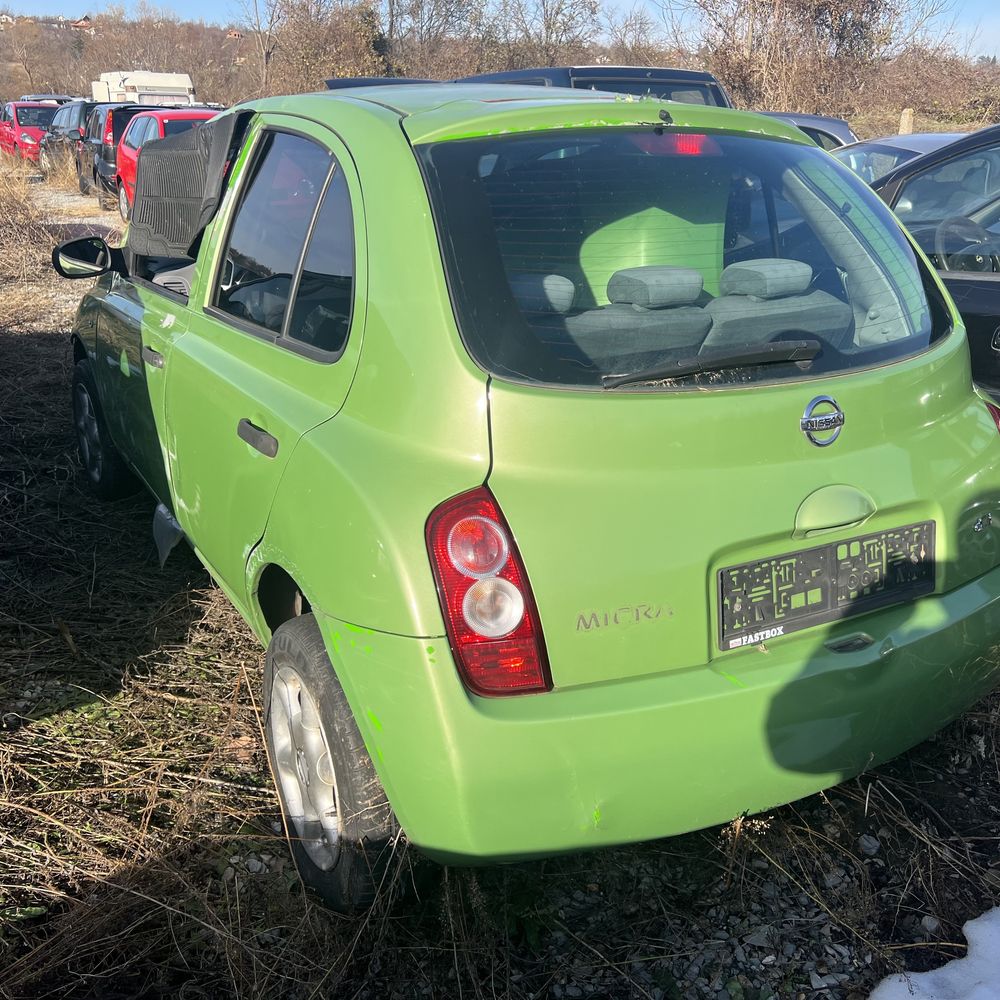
[(451, 110), (180, 112), (33, 104)]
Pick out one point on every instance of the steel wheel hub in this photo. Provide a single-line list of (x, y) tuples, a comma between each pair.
[(304, 767), (88, 435)]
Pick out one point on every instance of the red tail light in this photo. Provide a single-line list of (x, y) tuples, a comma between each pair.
[(485, 596), (109, 131), (994, 413)]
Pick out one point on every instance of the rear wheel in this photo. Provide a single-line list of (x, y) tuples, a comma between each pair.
[(123, 207), (81, 179), (340, 826), (109, 476)]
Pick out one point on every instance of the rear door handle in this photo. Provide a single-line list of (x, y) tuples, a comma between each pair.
[(257, 437), (152, 358)]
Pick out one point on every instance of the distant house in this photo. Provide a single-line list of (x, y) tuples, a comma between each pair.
[(233, 33), (83, 24)]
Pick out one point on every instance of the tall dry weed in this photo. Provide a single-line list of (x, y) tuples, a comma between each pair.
[(25, 240)]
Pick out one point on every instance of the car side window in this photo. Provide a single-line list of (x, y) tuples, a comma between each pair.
[(132, 139), (956, 187), (822, 139), (269, 230), (321, 312)]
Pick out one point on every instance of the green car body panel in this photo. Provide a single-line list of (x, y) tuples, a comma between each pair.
[(624, 507)]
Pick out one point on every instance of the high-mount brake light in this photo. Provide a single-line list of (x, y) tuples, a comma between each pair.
[(994, 413), (691, 144), (489, 611)]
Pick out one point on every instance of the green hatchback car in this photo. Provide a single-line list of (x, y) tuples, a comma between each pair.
[(593, 469)]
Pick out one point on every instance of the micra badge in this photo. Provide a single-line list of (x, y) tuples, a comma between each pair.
[(630, 614)]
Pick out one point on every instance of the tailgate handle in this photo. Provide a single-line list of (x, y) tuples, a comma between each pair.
[(830, 508), (257, 437), (152, 358)]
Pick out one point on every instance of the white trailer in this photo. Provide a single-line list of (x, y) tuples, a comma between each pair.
[(141, 87)]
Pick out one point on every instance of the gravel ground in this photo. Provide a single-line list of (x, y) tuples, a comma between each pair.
[(141, 854)]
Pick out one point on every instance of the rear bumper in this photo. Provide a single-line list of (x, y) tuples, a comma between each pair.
[(476, 779)]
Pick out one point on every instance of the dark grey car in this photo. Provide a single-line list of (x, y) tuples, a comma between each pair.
[(63, 139)]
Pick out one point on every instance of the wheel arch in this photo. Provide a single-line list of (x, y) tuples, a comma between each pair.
[(276, 597), (79, 350)]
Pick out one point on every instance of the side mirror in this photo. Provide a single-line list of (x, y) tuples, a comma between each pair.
[(88, 257), (76, 133), (904, 206)]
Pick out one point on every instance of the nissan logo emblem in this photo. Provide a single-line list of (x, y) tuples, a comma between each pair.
[(822, 421)]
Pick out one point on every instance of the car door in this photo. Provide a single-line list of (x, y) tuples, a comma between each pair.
[(124, 377), (952, 208), (128, 151), (7, 129), (270, 351)]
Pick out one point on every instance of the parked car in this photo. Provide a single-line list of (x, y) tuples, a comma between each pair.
[(949, 200), (689, 86), (99, 156), (63, 139), (22, 125), (828, 133), (149, 126), (48, 98), (575, 501), (874, 158)]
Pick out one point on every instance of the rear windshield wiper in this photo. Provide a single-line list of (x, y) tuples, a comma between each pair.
[(714, 361)]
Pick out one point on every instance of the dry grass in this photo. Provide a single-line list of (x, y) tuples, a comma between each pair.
[(139, 855), (24, 238)]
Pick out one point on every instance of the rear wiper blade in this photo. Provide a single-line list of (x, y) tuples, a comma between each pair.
[(714, 361)]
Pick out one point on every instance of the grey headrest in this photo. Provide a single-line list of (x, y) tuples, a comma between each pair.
[(655, 286), (769, 278), (543, 293)]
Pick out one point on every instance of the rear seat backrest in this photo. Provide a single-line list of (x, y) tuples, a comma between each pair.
[(762, 299), (651, 311)]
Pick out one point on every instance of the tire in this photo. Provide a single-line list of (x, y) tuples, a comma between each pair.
[(109, 476), (123, 207), (340, 826), (45, 163), (104, 200), (81, 179)]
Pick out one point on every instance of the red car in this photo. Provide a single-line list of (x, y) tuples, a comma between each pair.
[(148, 127), (22, 125)]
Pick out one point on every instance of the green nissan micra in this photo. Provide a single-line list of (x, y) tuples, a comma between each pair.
[(593, 469)]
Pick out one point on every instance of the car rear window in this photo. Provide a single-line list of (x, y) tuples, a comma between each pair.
[(35, 117), (578, 256), (174, 126), (685, 91)]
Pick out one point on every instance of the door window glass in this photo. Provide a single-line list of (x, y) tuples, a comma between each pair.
[(953, 211), (269, 231), (132, 138), (321, 315)]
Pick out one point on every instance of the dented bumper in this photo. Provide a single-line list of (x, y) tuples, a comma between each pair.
[(475, 779)]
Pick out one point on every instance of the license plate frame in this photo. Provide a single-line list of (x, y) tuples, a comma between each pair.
[(779, 595)]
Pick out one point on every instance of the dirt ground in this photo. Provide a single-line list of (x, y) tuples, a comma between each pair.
[(140, 854)]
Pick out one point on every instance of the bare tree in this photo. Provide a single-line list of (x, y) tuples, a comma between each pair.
[(263, 20)]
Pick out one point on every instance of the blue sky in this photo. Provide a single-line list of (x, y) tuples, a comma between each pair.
[(978, 20)]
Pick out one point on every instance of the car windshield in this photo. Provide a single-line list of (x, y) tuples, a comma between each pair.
[(36, 117), (578, 256), (871, 161)]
